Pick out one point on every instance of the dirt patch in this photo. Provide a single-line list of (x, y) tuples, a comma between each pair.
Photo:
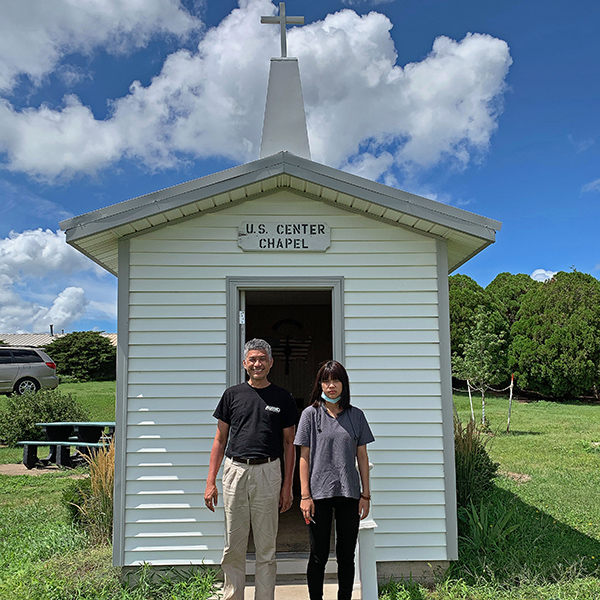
[(518, 477), (21, 469)]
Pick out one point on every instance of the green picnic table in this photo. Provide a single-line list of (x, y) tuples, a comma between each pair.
[(61, 436)]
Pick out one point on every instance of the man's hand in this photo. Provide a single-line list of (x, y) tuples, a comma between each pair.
[(285, 498), (211, 495)]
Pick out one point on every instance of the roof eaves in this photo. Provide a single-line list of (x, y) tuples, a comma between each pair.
[(169, 198), (144, 207), (394, 193), (398, 200)]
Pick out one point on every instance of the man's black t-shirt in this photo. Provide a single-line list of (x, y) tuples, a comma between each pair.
[(256, 419)]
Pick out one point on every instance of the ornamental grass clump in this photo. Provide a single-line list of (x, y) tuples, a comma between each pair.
[(90, 500), (475, 470)]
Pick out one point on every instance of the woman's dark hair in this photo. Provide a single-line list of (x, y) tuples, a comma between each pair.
[(331, 369)]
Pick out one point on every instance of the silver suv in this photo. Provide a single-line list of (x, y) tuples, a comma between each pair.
[(25, 370)]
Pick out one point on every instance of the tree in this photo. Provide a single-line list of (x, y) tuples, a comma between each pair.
[(483, 362), (86, 355), (507, 291), (466, 298), (556, 339)]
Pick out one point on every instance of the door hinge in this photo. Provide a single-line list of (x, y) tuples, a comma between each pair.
[(242, 317)]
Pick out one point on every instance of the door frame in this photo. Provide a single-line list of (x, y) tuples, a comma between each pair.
[(236, 286)]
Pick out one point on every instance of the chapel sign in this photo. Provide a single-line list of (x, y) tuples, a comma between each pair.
[(266, 236)]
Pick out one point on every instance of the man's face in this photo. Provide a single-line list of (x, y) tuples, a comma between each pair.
[(257, 365)]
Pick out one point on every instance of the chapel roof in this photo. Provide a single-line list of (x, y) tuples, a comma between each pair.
[(96, 234)]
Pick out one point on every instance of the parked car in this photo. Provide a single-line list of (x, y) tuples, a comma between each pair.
[(25, 370)]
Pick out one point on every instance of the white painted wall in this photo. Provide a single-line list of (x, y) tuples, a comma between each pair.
[(177, 371)]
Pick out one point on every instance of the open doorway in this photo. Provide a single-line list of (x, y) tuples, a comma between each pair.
[(298, 326)]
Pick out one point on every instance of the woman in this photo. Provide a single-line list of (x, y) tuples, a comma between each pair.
[(332, 436)]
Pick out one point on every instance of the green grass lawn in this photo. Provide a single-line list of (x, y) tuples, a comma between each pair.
[(98, 397), (552, 456), (538, 536)]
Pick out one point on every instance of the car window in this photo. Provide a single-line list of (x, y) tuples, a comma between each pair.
[(27, 356), (5, 357)]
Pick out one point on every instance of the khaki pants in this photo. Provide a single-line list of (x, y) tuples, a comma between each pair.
[(250, 496)]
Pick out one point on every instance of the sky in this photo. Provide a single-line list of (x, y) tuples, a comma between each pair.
[(491, 106)]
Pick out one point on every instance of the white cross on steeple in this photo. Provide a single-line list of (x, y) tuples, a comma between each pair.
[(283, 20)]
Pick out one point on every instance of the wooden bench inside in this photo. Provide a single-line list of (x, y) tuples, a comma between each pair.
[(61, 455)]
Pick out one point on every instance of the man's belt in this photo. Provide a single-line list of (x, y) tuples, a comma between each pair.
[(253, 461)]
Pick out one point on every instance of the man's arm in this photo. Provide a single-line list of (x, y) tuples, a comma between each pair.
[(289, 461), (211, 493)]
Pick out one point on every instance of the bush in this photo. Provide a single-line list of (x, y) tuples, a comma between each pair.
[(90, 501), (84, 355), (20, 414), (475, 470)]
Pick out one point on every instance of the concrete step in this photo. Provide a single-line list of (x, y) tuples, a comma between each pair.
[(296, 591)]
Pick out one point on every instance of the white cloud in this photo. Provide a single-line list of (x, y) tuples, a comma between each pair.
[(542, 274), (68, 306), (64, 142), (593, 186), (211, 102), (369, 166), (34, 268), (37, 253), (35, 35)]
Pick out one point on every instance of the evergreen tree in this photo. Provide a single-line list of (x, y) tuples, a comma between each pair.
[(555, 348), (466, 298), (86, 355), (507, 291)]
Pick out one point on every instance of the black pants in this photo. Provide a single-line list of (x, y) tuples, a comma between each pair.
[(346, 529)]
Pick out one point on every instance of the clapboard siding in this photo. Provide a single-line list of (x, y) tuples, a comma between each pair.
[(177, 371)]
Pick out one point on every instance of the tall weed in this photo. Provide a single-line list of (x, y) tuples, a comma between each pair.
[(90, 502), (475, 470)]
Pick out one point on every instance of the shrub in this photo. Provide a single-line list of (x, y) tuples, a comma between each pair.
[(85, 355), (90, 501), (20, 414), (475, 470)]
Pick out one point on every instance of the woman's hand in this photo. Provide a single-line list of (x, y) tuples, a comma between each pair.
[(307, 508), (364, 506)]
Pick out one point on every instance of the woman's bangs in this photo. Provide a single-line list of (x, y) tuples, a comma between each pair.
[(333, 370)]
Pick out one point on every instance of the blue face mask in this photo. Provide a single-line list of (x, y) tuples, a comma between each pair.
[(327, 399)]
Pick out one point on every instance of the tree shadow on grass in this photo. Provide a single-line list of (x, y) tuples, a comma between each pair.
[(532, 546)]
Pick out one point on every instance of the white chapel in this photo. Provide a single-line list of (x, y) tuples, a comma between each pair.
[(322, 264)]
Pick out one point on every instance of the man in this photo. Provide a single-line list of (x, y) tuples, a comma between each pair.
[(255, 421)]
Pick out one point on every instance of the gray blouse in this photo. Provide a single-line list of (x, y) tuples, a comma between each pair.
[(333, 444)]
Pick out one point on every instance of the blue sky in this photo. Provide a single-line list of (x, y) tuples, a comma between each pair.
[(487, 105)]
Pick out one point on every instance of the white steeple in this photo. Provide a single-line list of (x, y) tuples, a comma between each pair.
[(284, 127)]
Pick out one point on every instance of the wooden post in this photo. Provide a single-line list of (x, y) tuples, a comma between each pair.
[(470, 400), (512, 383)]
